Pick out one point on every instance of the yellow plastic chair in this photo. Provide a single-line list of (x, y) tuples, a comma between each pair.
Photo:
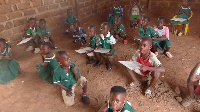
[(187, 25)]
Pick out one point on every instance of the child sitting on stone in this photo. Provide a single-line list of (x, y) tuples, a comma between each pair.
[(117, 102), (68, 81), (150, 65), (69, 21)]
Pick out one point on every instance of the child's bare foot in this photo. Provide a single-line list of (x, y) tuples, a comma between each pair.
[(109, 66)]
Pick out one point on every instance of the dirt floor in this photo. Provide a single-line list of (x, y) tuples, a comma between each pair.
[(31, 94)]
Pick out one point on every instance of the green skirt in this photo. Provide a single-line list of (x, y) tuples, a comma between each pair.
[(162, 44), (8, 70)]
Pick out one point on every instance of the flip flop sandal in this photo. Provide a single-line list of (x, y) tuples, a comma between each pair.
[(132, 85), (148, 92), (156, 53), (125, 41), (169, 54), (175, 32), (186, 102), (180, 34)]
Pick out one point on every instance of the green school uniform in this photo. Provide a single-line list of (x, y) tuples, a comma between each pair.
[(32, 32), (116, 12), (42, 32), (71, 19), (106, 42), (184, 16), (150, 32), (53, 68), (126, 108), (120, 28), (8, 68), (93, 40), (68, 80)]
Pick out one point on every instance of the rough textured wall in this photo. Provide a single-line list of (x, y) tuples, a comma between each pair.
[(15, 13)]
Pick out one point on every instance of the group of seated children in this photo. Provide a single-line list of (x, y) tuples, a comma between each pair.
[(38, 34)]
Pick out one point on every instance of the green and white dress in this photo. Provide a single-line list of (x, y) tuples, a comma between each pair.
[(184, 16), (117, 11), (53, 68), (32, 32), (8, 68), (126, 108), (106, 42), (93, 41)]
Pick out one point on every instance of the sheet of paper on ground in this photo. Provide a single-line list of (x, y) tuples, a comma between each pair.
[(102, 50), (132, 65), (24, 41), (84, 50)]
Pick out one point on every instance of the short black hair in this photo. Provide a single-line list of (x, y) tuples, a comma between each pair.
[(105, 24), (60, 52), (117, 89), (3, 40), (69, 10), (161, 18), (146, 17), (42, 20), (149, 40), (92, 26), (32, 19), (48, 44)]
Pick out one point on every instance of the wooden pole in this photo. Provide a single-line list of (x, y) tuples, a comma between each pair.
[(149, 5)]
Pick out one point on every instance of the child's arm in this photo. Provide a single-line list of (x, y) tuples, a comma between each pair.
[(75, 71), (112, 49), (10, 57), (103, 108), (193, 75), (154, 69), (68, 91)]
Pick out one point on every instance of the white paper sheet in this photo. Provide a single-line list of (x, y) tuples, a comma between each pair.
[(102, 50), (132, 65), (179, 19), (24, 41), (84, 50)]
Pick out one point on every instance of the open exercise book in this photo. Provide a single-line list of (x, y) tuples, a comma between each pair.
[(132, 65), (179, 19), (24, 41), (84, 50), (102, 50)]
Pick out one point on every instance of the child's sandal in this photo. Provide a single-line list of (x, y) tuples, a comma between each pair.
[(125, 41), (175, 32), (132, 85), (186, 102), (148, 92), (169, 55), (180, 34)]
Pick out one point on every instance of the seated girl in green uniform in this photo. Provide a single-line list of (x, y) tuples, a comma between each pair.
[(119, 30), (92, 43), (162, 41), (32, 33), (44, 33), (117, 12), (106, 41), (69, 21), (68, 81), (9, 67), (117, 102), (184, 12), (49, 67)]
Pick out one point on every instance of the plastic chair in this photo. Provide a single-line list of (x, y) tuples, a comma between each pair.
[(187, 25)]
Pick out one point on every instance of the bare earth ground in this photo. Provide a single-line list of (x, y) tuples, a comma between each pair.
[(31, 94)]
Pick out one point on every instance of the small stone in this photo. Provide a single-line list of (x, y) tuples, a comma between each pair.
[(179, 99)]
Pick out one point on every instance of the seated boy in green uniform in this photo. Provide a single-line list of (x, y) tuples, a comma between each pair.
[(92, 43), (146, 31), (44, 33), (32, 33), (69, 81), (69, 21), (106, 41), (119, 30), (117, 102)]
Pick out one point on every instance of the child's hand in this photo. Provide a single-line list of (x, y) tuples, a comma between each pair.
[(5, 57), (69, 92), (144, 68)]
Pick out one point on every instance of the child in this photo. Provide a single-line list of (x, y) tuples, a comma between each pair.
[(79, 33), (70, 79), (44, 33), (32, 33), (49, 67), (135, 14), (69, 21), (150, 65), (162, 41), (184, 12), (117, 12), (92, 43), (146, 31), (119, 30), (9, 67), (106, 41), (192, 82), (117, 102)]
